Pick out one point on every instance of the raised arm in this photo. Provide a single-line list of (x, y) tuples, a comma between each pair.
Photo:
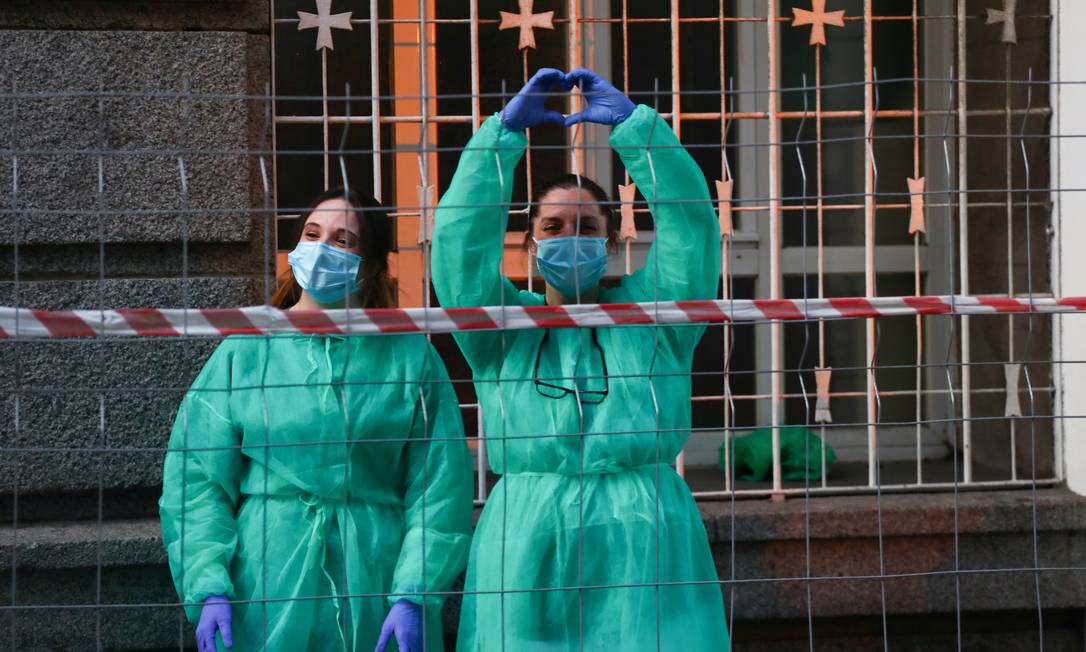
[(469, 234), (200, 487), (684, 261), (471, 218)]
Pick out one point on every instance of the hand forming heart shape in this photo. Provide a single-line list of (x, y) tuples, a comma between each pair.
[(606, 104)]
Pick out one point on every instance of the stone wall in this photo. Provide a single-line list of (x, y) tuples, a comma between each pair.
[(82, 423), (143, 242)]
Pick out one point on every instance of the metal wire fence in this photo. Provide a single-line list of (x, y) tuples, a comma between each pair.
[(905, 317)]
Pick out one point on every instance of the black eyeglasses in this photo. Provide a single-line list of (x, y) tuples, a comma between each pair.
[(548, 390)]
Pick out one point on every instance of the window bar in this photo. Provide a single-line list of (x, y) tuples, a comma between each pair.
[(480, 454), (577, 138), (686, 115), (820, 220), (527, 132), (274, 216), (725, 252), (676, 92), (473, 36), (918, 289), (423, 155), (776, 363), (398, 21), (963, 244), (676, 126), (375, 102), (850, 490), (702, 398), (726, 397), (324, 110), (869, 244), (626, 89), (1012, 422)]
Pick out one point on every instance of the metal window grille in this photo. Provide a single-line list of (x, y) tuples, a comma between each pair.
[(867, 105)]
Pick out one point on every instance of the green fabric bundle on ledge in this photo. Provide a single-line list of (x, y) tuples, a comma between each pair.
[(801, 455)]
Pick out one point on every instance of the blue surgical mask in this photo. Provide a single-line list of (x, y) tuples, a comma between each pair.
[(572, 262), (329, 274)]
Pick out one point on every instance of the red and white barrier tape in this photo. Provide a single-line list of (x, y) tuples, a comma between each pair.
[(26, 323)]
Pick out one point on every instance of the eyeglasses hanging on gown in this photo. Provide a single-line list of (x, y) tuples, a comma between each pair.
[(551, 390)]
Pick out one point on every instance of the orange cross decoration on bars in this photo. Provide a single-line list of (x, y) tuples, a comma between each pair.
[(822, 404), (628, 228), (324, 21), (724, 190), (916, 205), (818, 19), (527, 21)]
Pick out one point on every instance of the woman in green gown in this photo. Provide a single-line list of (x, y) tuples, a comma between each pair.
[(310, 476), (590, 540)]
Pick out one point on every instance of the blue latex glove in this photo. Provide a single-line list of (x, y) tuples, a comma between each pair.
[(214, 618), (404, 620), (526, 109), (606, 104)]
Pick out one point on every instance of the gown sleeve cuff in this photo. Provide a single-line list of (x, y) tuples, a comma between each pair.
[(494, 134), (194, 599), (635, 129), (409, 593)]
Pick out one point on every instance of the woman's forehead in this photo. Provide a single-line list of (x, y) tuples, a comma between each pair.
[(568, 196), (334, 214), (568, 201)]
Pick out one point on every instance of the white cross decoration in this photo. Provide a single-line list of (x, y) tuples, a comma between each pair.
[(324, 20), (1006, 15), (1013, 407), (426, 213)]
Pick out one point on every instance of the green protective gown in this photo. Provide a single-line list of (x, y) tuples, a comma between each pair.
[(603, 508), (301, 468)]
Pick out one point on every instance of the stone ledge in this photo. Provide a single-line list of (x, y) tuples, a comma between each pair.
[(835, 517), (157, 15), (911, 568), (979, 632), (129, 542), (203, 292)]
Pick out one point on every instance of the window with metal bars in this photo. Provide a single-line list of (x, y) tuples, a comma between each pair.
[(867, 99)]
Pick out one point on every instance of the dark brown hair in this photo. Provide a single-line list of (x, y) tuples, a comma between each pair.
[(376, 290), (568, 181)]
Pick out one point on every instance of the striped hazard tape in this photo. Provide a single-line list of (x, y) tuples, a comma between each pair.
[(262, 320)]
